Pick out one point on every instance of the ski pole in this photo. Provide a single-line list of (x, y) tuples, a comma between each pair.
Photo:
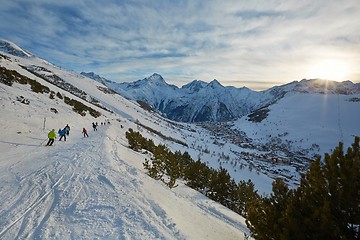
[(42, 142)]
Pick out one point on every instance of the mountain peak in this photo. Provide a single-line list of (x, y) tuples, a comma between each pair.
[(95, 77), (215, 84), (156, 78), (194, 86), (327, 86), (13, 49), (91, 75)]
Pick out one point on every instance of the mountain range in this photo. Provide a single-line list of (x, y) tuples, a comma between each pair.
[(199, 101)]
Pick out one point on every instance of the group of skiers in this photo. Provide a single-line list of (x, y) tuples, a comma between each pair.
[(65, 132), (62, 133), (95, 124)]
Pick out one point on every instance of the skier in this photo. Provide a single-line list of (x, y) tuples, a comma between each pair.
[(62, 134), (85, 132), (94, 126), (51, 136), (67, 128)]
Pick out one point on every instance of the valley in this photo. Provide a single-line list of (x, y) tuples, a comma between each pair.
[(273, 159)]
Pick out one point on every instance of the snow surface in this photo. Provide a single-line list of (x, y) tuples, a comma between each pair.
[(95, 187), (303, 119)]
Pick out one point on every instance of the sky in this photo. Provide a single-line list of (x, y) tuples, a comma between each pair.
[(257, 44)]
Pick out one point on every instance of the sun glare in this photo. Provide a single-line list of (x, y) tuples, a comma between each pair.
[(330, 70)]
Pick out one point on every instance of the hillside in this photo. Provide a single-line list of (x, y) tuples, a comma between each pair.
[(92, 187), (101, 182), (313, 123), (279, 137), (77, 190)]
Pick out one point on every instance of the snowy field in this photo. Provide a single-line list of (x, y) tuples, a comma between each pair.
[(96, 188), (305, 120)]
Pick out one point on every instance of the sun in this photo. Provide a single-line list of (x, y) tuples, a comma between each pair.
[(337, 70)]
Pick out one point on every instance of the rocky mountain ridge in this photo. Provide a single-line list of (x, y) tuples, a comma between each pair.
[(199, 101)]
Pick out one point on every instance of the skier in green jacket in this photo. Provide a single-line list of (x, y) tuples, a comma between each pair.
[(51, 136)]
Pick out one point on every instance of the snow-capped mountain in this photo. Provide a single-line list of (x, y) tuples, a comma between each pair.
[(96, 77), (153, 90), (197, 101), (317, 86), (13, 49)]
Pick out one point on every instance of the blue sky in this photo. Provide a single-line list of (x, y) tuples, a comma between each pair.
[(255, 43)]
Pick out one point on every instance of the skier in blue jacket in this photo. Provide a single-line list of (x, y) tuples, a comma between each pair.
[(62, 134)]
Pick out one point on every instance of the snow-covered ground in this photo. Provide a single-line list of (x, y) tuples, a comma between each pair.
[(95, 187), (317, 122), (91, 188)]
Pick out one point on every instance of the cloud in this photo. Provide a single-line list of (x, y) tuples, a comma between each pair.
[(271, 41)]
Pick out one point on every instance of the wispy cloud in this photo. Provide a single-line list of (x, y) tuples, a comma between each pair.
[(245, 41)]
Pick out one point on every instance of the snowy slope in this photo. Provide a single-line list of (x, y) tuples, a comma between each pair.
[(312, 122), (196, 137), (13, 49), (93, 188)]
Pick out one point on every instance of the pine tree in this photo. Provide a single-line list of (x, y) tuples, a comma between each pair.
[(266, 216), (198, 175), (134, 139), (173, 167), (326, 205), (241, 196), (342, 172), (219, 186)]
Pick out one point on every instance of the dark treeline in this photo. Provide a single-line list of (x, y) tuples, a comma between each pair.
[(215, 184), (326, 205)]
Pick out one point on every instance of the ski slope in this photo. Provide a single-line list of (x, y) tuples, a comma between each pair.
[(96, 188)]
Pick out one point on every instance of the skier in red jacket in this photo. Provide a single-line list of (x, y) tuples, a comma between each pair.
[(84, 131)]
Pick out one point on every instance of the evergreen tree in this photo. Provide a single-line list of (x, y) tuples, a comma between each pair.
[(134, 139), (198, 176), (342, 172), (173, 167), (241, 196), (326, 205), (220, 186), (266, 216)]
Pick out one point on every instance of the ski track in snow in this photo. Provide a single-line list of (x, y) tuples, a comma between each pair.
[(63, 190)]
